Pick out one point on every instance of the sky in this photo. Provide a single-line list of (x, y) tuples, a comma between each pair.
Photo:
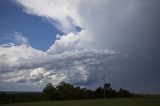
[(79, 42)]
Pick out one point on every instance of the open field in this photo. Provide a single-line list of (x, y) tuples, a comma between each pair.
[(100, 102)]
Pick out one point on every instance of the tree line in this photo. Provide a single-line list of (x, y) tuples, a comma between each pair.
[(66, 91), (63, 91)]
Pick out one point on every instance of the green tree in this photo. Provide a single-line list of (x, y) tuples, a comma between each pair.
[(99, 92), (65, 90), (124, 93), (108, 90), (50, 92)]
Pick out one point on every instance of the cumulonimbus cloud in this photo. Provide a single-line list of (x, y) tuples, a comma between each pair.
[(125, 26)]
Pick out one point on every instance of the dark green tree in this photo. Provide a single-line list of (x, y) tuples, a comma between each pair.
[(107, 86), (99, 92), (50, 92), (107, 89), (65, 90), (124, 93)]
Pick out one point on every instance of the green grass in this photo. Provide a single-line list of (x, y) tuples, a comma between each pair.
[(100, 102)]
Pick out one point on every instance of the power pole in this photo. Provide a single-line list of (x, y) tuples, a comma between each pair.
[(104, 81)]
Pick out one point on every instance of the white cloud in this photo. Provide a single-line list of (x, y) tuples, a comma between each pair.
[(62, 12), (71, 42), (19, 55), (35, 66)]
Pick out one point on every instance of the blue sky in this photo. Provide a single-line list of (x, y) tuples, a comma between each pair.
[(49, 41), (40, 33)]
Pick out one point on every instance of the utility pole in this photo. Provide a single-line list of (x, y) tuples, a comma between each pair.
[(104, 81)]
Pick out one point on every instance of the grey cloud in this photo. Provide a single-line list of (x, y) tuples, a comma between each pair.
[(126, 26)]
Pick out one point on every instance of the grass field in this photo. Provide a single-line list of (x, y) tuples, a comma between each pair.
[(100, 102)]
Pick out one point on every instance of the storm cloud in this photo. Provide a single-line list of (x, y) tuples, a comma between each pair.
[(117, 38)]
